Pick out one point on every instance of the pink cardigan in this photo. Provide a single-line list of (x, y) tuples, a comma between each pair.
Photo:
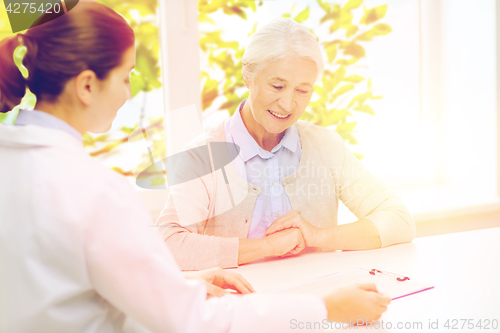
[(202, 227)]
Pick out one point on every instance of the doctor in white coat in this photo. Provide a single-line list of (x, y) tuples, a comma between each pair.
[(76, 250)]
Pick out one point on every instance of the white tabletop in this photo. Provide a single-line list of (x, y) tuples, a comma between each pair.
[(463, 267)]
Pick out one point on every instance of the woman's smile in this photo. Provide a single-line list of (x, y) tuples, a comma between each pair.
[(279, 116)]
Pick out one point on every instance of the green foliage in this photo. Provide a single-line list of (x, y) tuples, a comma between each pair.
[(303, 15), (340, 94), (223, 56), (336, 102)]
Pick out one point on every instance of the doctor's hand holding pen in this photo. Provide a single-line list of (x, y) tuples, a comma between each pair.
[(356, 302)]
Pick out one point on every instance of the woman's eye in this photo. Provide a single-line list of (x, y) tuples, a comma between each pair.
[(277, 87), (303, 91)]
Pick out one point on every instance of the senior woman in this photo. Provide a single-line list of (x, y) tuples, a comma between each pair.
[(280, 194)]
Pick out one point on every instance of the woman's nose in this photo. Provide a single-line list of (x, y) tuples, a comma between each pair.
[(286, 102)]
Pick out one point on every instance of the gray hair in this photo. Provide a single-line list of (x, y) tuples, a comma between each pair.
[(276, 40)]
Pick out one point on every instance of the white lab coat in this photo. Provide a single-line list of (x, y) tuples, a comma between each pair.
[(78, 253)]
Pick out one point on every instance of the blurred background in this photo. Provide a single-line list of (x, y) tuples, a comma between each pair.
[(410, 85)]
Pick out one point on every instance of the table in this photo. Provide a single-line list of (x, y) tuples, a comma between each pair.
[(464, 268)]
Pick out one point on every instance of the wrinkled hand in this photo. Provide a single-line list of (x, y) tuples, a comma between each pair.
[(293, 219), (286, 242), (217, 279), (361, 301)]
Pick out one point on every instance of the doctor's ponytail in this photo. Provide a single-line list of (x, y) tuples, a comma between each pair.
[(12, 83), (91, 36)]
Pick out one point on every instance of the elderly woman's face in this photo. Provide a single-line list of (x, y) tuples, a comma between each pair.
[(280, 92)]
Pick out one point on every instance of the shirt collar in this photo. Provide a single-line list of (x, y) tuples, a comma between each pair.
[(249, 147), (44, 119)]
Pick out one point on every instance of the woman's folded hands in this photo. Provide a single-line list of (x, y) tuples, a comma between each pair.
[(285, 242), (293, 220)]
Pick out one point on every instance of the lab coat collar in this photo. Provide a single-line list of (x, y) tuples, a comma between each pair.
[(44, 119), (31, 136)]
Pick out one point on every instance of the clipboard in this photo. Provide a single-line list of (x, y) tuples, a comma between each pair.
[(394, 285)]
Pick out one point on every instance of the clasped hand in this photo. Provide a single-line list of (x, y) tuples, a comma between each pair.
[(290, 234)]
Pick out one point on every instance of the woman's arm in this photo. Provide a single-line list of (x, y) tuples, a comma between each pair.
[(359, 235), (383, 218), (194, 251), (371, 200), (185, 216), (191, 249)]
